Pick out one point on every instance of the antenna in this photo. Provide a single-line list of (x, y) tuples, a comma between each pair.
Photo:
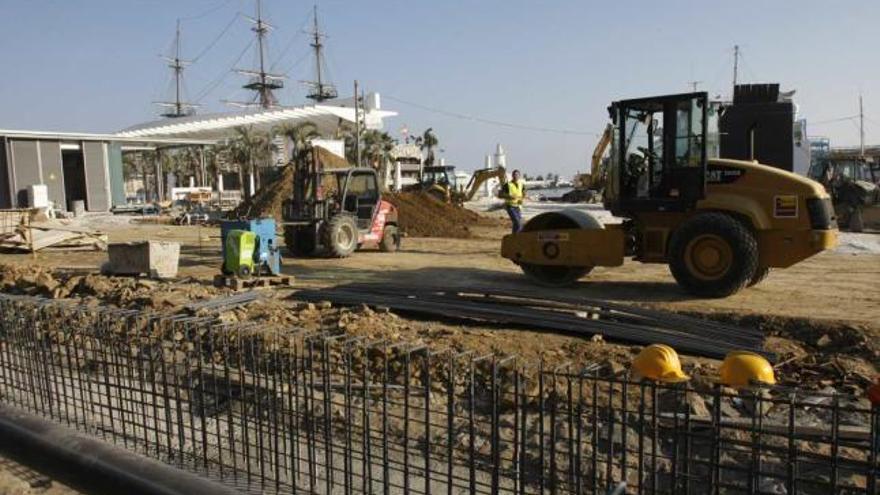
[(177, 107), (262, 82), (861, 128), (735, 67), (357, 126), (693, 85), (320, 90)]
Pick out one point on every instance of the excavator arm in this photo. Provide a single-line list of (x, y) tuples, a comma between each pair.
[(479, 178)]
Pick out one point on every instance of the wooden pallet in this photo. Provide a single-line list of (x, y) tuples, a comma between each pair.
[(262, 282)]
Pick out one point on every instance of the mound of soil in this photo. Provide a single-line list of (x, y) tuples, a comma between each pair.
[(422, 215), (267, 202)]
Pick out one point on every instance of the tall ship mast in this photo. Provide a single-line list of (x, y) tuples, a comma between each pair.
[(176, 107), (319, 89), (261, 82)]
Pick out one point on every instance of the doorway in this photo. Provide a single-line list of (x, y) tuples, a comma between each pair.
[(73, 167)]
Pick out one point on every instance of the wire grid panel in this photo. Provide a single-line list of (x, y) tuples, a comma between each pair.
[(288, 411)]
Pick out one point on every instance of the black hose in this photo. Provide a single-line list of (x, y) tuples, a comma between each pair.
[(90, 465)]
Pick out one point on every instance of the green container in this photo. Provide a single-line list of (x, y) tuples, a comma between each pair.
[(239, 256)]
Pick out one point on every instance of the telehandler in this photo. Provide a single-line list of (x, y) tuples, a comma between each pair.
[(719, 224)]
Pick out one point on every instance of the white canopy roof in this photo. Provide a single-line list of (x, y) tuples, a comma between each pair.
[(219, 126)]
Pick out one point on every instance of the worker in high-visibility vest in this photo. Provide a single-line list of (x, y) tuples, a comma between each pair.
[(513, 192)]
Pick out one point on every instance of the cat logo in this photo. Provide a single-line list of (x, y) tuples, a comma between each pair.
[(785, 206)]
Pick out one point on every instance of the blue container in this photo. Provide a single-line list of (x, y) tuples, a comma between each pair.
[(267, 255)]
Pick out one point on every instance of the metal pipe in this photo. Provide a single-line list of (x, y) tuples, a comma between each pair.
[(89, 464)]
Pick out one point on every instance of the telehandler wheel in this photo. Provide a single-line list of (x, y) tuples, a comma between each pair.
[(390, 239), (713, 255), (554, 275), (300, 241), (340, 236), (760, 274)]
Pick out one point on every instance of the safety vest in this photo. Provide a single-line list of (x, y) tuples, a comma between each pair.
[(515, 192)]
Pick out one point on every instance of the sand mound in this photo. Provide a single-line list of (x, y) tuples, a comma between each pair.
[(267, 202), (422, 215)]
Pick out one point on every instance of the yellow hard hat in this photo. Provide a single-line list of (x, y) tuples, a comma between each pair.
[(660, 363), (742, 368)]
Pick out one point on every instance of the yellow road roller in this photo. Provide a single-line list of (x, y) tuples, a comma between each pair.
[(719, 224)]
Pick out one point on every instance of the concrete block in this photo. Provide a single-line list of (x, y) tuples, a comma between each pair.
[(157, 259)]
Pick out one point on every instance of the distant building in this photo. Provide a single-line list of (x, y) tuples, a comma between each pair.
[(74, 166), (88, 167), (406, 162)]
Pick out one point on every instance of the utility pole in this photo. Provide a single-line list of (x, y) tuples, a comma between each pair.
[(177, 107), (861, 128), (735, 68), (320, 90), (262, 82), (357, 125), (694, 84)]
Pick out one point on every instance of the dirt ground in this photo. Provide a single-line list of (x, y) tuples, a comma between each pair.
[(822, 314), (841, 287), (16, 479)]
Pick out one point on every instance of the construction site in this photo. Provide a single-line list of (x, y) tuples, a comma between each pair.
[(288, 299)]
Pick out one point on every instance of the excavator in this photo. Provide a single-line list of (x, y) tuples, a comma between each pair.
[(588, 187), (719, 224), (439, 182)]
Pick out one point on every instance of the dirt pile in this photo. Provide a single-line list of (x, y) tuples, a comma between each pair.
[(269, 199), (422, 215), (93, 288), (816, 354)]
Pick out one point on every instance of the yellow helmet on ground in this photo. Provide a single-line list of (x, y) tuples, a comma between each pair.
[(660, 363), (742, 368)]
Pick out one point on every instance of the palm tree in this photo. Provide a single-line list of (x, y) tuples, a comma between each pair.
[(299, 135), (427, 142), (248, 149), (134, 166), (377, 146), (376, 150)]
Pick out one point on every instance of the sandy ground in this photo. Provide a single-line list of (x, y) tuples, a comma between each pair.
[(830, 294), (841, 285), (16, 479)]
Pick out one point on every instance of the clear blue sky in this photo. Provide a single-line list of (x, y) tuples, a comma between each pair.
[(92, 65)]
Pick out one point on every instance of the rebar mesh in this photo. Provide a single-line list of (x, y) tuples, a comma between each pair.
[(288, 411)]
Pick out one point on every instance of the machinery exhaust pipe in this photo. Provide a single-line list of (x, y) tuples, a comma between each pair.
[(90, 465)]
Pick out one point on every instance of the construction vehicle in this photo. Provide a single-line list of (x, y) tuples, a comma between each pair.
[(335, 211), (719, 224), (588, 187), (440, 182), (855, 191)]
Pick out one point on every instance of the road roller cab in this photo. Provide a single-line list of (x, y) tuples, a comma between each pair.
[(720, 224)]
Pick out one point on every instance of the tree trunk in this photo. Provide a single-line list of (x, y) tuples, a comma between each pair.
[(241, 185)]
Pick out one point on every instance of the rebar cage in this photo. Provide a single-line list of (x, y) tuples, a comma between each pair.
[(284, 410)]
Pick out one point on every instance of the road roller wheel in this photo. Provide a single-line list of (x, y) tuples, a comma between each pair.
[(554, 275), (713, 255)]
